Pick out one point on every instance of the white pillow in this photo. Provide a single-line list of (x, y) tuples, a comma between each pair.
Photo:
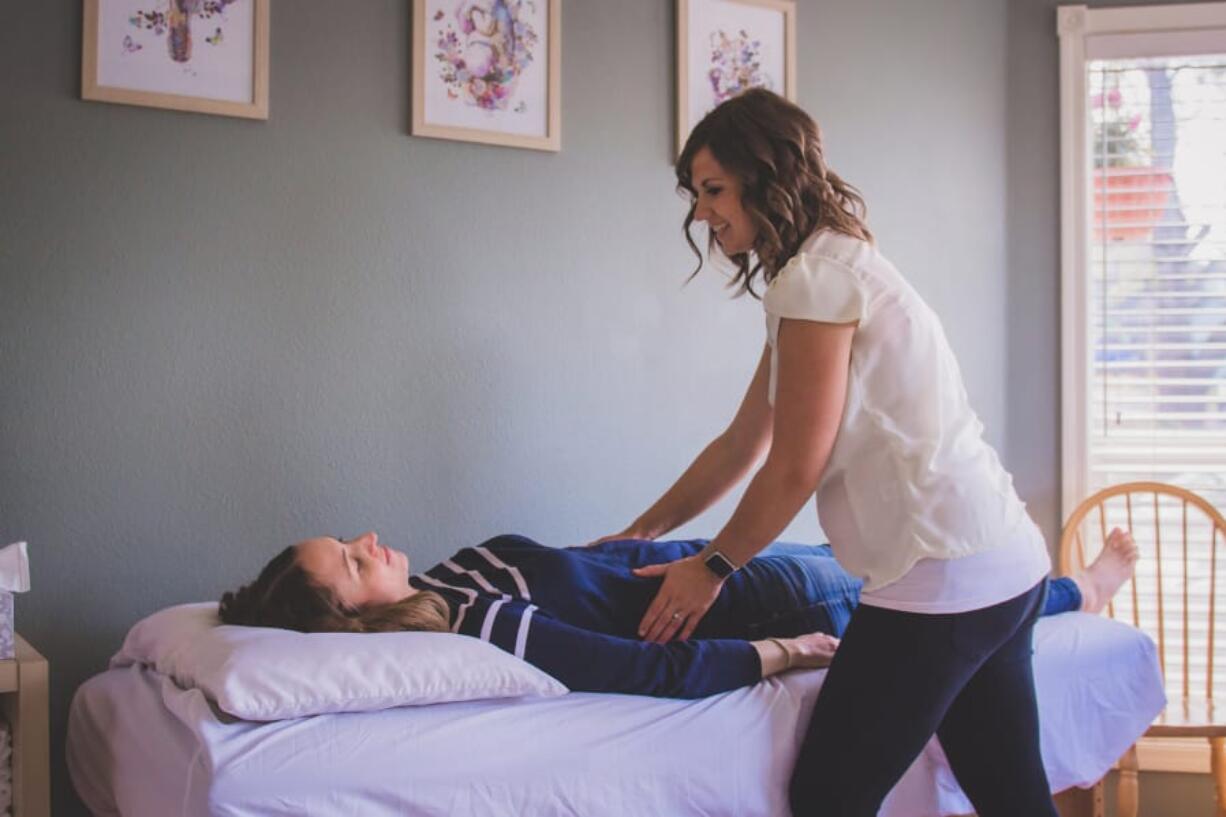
[(263, 674)]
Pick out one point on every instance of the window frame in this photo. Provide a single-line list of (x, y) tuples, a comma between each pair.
[(1075, 24)]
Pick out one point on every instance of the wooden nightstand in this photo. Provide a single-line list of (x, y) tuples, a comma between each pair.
[(23, 702)]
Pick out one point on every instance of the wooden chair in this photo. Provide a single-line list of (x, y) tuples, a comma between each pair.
[(1178, 534)]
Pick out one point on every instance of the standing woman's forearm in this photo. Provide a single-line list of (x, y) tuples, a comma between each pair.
[(770, 503), (812, 389)]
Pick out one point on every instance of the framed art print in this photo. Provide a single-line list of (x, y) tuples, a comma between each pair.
[(207, 56), (725, 47), (488, 71)]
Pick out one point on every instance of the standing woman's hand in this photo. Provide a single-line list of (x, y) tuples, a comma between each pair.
[(688, 591)]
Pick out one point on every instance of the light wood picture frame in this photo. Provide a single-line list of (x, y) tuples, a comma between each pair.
[(204, 57), (488, 71), (727, 46)]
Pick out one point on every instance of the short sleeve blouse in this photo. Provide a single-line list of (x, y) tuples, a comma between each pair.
[(910, 476)]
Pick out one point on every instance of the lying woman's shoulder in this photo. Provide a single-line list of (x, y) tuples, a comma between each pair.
[(511, 541)]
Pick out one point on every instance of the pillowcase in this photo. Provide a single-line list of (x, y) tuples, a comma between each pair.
[(264, 674)]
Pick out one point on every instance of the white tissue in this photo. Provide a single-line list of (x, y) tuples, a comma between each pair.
[(14, 568)]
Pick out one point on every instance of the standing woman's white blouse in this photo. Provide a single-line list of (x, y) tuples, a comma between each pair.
[(912, 499)]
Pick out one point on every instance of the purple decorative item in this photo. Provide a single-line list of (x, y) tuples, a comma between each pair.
[(736, 65), (488, 71), (14, 578), (484, 53), (207, 56), (725, 47)]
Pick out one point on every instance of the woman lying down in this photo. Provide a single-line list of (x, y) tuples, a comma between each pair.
[(573, 613)]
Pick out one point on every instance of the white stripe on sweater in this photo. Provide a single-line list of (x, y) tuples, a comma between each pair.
[(468, 592), (521, 637), (477, 577), (515, 574), (487, 626)]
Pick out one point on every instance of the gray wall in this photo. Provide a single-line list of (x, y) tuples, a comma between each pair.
[(219, 336)]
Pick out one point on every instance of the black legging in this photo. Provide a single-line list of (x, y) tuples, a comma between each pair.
[(898, 678)]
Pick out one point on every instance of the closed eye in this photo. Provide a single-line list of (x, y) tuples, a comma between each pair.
[(351, 564)]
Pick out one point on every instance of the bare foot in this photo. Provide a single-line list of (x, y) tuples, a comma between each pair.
[(1108, 572)]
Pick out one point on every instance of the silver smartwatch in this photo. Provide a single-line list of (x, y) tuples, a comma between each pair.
[(719, 564)]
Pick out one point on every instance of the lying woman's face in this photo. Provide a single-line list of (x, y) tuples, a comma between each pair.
[(360, 571)]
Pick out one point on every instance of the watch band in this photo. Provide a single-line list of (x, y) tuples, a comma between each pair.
[(719, 564)]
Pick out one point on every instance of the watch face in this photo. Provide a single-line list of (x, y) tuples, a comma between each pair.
[(718, 564)]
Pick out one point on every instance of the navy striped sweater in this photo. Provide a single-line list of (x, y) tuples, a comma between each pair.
[(574, 614)]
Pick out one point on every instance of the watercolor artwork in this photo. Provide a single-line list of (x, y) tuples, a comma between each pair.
[(487, 71), (725, 47), (209, 56)]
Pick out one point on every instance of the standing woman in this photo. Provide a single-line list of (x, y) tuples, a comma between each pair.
[(858, 398)]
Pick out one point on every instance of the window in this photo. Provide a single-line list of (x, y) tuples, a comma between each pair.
[(1143, 202)]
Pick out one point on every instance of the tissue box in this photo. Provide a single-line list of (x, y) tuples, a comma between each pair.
[(6, 625)]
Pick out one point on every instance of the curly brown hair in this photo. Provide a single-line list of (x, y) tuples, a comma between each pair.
[(775, 149), (284, 595)]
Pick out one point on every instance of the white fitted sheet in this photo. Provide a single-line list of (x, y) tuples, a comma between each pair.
[(141, 747)]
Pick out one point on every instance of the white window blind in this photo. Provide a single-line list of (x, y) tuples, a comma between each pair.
[(1143, 310), (1156, 384)]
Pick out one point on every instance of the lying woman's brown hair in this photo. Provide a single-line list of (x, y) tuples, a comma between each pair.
[(284, 596), (775, 149)]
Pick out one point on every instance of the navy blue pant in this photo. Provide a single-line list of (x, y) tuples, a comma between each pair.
[(786, 590), (898, 678), (793, 589)]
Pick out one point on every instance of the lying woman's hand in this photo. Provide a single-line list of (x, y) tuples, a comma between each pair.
[(811, 651), (688, 591)]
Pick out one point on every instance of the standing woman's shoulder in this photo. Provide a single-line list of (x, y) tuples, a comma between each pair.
[(832, 245), (824, 281)]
